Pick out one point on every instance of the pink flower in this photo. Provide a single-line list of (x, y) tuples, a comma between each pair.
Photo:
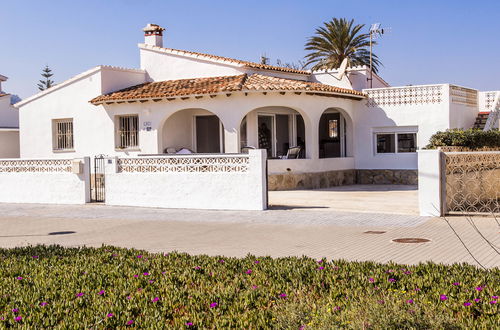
[(477, 299), (43, 304), (188, 324), (257, 261), (18, 318), (80, 294), (443, 297), (371, 280), (321, 268), (101, 292), (129, 297), (494, 297), (466, 304), (213, 305), (319, 261), (456, 283), (254, 287), (139, 257), (130, 322), (337, 308), (197, 267), (392, 280), (407, 272), (155, 299), (19, 278), (145, 274), (222, 261), (283, 295), (151, 281), (417, 289), (479, 288), (249, 271), (110, 315), (493, 302), (15, 310), (163, 273), (409, 301), (34, 257)]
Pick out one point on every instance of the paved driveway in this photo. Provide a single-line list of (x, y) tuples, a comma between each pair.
[(278, 233), (389, 199)]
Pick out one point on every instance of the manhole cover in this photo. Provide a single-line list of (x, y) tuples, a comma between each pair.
[(411, 240), (374, 232)]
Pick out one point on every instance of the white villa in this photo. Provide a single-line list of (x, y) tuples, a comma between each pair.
[(9, 125), (181, 101)]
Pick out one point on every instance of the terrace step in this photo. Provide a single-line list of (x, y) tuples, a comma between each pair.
[(481, 119)]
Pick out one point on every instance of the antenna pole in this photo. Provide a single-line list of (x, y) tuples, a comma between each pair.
[(371, 68)]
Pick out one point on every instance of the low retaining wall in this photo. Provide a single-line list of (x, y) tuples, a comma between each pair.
[(315, 180), (47, 181), (230, 182), (387, 177)]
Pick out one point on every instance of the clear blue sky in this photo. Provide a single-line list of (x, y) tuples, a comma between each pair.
[(430, 41)]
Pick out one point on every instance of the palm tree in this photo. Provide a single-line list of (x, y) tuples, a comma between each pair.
[(336, 40)]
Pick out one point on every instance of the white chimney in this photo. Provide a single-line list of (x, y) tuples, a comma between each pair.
[(153, 35)]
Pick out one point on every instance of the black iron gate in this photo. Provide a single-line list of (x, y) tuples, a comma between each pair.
[(97, 180)]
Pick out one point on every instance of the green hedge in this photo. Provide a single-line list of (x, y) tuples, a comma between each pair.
[(471, 138), (108, 288)]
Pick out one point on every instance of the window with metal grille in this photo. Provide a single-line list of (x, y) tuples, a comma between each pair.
[(63, 134), (128, 132)]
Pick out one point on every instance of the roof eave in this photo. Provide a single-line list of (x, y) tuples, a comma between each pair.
[(252, 91)]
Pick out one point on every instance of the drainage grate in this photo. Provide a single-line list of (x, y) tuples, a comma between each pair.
[(374, 232), (411, 240)]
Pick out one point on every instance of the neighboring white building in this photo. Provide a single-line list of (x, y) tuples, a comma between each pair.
[(9, 125), (211, 104)]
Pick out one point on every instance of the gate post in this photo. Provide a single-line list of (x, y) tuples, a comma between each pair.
[(86, 178), (431, 184)]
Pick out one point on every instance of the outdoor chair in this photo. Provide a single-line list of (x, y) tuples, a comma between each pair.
[(292, 153), (170, 150), (245, 149)]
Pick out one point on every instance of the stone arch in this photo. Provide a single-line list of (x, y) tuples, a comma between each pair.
[(335, 134), (197, 129), (289, 128)]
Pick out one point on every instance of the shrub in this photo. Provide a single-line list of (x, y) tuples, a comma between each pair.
[(471, 138), (108, 287)]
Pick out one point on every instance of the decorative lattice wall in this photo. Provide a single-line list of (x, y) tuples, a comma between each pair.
[(464, 96), (36, 165), (411, 95), (473, 182), (179, 163)]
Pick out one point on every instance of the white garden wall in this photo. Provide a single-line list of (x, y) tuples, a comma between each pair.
[(47, 181), (229, 182)]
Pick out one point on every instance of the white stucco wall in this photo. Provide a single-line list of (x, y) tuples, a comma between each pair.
[(44, 187), (93, 128), (9, 143), (9, 116), (296, 166), (191, 190)]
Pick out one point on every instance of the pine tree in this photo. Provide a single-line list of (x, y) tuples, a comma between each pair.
[(47, 83)]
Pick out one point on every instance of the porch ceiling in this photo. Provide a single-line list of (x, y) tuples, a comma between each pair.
[(157, 91)]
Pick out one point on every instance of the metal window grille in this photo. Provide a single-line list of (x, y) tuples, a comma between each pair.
[(63, 134), (128, 131)]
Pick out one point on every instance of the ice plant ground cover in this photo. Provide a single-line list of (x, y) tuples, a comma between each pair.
[(113, 287)]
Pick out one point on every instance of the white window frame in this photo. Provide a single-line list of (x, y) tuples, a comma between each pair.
[(67, 138), (395, 133), (118, 134)]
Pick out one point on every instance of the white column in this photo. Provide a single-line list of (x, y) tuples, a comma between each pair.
[(231, 140), (431, 192), (258, 166)]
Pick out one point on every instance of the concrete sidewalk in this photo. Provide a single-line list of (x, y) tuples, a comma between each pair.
[(277, 233)]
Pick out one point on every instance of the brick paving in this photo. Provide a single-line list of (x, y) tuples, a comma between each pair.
[(278, 232)]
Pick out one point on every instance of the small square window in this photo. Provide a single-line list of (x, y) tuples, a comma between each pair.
[(386, 143), (407, 142), (127, 131), (62, 134)]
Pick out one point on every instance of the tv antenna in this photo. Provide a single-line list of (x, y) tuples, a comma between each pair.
[(375, 32)]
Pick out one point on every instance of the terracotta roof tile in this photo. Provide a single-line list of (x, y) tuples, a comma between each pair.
[(214, 85), (247, 64)]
